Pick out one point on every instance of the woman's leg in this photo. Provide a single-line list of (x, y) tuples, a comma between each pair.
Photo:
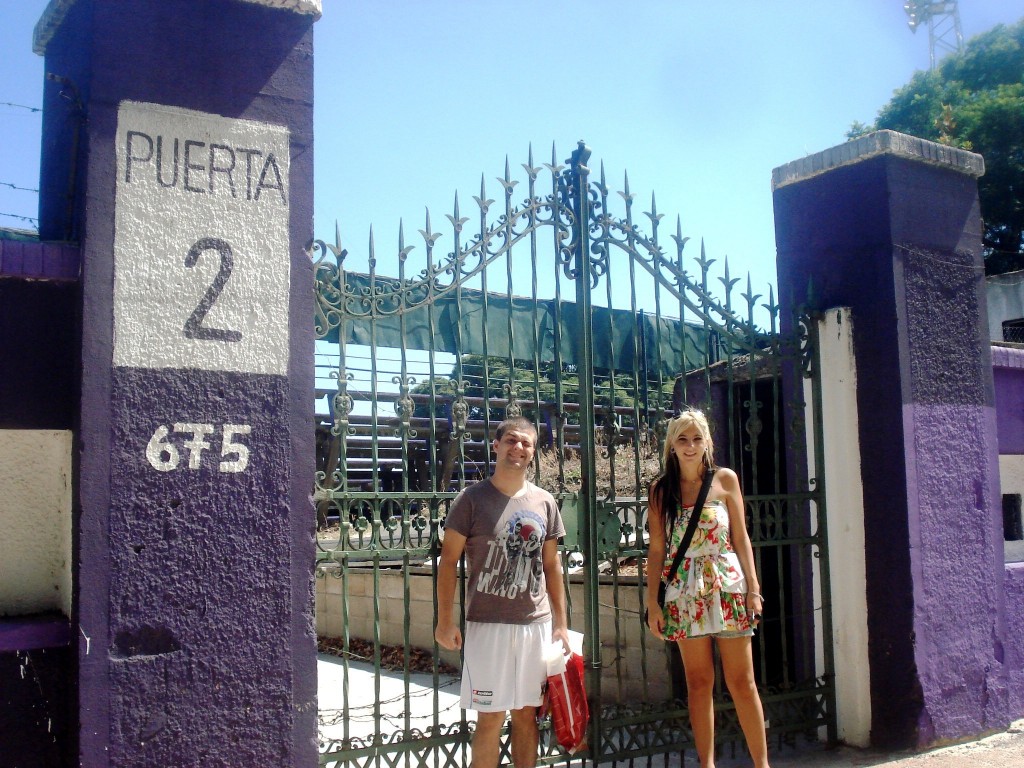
[(699, 665), (738, 669)]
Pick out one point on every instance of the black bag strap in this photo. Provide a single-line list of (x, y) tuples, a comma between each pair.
[(698, 507)]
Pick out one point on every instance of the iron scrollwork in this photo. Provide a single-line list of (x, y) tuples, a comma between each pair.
[(460, 410), (404, 406)]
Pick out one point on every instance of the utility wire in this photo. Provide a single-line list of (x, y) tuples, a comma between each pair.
[(22, 218), (15, 186), (19, 106)]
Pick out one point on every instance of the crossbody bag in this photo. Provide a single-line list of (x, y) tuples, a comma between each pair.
[(691, 528)]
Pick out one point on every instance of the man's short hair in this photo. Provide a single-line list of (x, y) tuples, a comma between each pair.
[(518, 423)]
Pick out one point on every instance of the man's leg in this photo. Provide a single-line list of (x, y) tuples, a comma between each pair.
[(487, 739), (524, 737)]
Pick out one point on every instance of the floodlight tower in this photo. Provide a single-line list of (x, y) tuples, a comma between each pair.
[(944, 32)]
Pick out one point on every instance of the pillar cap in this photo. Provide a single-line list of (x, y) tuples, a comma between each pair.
[(55, 12), (875, 145)]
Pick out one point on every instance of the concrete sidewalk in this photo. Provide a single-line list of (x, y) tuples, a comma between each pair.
[(388, 699), (1002, 750)]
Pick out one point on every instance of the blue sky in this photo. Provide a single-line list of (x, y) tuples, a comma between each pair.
[(416, 99)]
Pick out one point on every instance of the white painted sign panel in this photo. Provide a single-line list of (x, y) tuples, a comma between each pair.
[(201, 247)]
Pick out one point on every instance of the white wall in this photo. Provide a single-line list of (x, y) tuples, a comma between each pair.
[(35, 520), (1011, 474), (844, 502), (1005, 299), (625, 642)]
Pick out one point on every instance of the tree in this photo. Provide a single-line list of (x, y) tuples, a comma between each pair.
[(975, 100)]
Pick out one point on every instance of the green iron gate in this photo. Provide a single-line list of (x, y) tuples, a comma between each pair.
[(559, 310)]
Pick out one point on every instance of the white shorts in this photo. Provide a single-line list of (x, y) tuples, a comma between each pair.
[(503, 666)]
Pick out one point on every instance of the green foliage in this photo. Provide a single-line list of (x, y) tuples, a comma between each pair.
[(858, 129), (975, 100)]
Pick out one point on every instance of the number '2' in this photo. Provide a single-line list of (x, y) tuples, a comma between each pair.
[(194, 328)]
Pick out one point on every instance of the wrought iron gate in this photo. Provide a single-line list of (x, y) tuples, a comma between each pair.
[(558, 310)]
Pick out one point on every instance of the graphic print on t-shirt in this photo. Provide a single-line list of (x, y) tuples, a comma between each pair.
[(514, 564)]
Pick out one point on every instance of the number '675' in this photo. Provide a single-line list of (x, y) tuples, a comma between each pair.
[(165, 455)]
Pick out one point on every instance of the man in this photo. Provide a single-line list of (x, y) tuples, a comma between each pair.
[(515, 600)]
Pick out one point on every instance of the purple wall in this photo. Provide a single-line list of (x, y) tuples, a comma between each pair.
[(39, 364), (39, 357), (1014, 652), (1008, 369), (1008, 374), (37, 696), (893, 232), (194, 622)]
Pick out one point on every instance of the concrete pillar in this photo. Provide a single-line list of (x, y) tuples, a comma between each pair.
[(889, 226), (178, 152)]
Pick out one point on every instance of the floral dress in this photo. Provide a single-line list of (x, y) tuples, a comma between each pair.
[(709, 593)]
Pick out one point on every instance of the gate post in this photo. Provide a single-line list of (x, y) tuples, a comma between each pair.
[(577, 175), (177, 149), (889, 226)]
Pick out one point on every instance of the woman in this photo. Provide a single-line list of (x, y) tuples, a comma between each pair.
[(715, 593)]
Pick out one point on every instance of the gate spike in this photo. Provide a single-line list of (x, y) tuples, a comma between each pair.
[(727, 282), (771, 306), (507, 182), (654, 216), (372, 259), (403, 252), (678, 236), (482, 201), (456, 220), (529, 167), (554, 166), (704, 262), (750, 296), (429, 235), (625, 194)]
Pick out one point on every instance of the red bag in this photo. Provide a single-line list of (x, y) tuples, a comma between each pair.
[(567, 701)]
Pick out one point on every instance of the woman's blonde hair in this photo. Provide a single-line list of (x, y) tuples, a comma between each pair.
[(682, 422), (667, 488)]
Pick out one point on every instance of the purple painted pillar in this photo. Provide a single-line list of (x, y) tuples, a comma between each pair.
[(889, 226), (178, 151)]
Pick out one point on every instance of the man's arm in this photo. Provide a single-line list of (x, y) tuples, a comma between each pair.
[(556, 592), (447, 632)]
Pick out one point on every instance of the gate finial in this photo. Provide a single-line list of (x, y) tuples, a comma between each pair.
[(580, 156)]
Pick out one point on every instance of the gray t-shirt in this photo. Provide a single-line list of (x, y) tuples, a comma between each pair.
[(504, 542)]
